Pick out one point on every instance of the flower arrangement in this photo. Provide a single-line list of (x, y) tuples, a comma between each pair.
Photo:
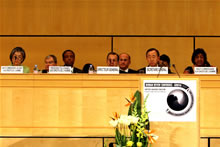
[(133, 130)]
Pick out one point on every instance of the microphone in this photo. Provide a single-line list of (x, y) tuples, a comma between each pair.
[(176, 70), (161, 66)]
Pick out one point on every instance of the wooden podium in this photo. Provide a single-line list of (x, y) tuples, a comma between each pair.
[(173, 129), (71, 110)]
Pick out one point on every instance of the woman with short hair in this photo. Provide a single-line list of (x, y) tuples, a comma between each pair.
[(17, 57)]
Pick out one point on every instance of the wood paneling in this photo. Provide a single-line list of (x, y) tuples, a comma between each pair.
[(42, 105), (98, 17), (94, 49), (214, 142), (204, 142), (48, 107), (69, 142), (177, 134), (87, 49), (51, 142), (204, 17), (211, 45), (179, 49), (210, 111)]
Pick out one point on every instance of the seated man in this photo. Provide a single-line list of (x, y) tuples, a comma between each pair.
[(69, 59), (124, 62), (50, 60), (152, 57), (112, 59)]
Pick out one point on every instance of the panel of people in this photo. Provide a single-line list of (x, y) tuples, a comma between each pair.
[(123, 60)]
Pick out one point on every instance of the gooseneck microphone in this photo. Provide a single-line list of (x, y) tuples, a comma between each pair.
[(161, 66), (176, 70)]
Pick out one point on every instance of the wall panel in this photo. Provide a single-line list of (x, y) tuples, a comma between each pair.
[(109, 17), (94, 17), (203, 142), (215, 142), (211, 45), (204, 17), (51, 142), (179, 49), (81, 107), (209, 122), (87, 49)]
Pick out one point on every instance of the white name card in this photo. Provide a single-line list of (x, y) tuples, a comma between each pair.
[(11, 69), (205, 70), (156, 70), (60, 69), (107, 70)]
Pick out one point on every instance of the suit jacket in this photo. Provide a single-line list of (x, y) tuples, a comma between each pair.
[(142, 70), (44, 71), (77, 70), (129, 71)]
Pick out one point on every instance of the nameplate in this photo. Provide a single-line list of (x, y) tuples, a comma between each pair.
[(11, 69), (205, 70), (107, 70), (156, 70), (60, 69)]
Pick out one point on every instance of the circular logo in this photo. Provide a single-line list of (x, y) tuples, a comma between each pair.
[(179, 101)]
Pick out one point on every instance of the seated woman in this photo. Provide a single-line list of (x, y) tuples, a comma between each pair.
[(17, 57), (165, 62), (199, 59)]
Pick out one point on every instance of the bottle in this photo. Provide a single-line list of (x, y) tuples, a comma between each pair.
[(91, 70), (35, 69)]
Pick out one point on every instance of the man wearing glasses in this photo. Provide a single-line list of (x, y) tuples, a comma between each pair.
[(50, 60)]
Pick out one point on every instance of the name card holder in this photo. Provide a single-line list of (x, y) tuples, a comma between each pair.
[(60, 69), (107, 70), (12, 69), (205, 70), (156, 70)]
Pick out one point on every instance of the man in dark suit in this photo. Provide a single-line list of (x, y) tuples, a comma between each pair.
[(124, 62), (152, 57), (69, 59), (112, 59)]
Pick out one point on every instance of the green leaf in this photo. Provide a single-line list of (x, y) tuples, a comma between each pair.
[(136, 103)]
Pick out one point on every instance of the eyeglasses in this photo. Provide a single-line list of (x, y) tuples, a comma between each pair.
[(17, 58), (50, 62)]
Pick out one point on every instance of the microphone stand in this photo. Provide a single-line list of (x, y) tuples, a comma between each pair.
[(176, 70)]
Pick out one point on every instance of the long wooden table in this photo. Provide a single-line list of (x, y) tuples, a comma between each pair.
[(80, 105)]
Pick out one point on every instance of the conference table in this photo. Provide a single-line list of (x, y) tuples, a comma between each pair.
[(75, 109)]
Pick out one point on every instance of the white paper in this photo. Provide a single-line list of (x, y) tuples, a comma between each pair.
[(156, 70), (171, 100), (205, 70), (11, 69), (107, 70), (60, 69)]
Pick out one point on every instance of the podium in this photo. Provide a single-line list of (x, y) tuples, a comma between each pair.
[(49, 110), (173, 104)]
